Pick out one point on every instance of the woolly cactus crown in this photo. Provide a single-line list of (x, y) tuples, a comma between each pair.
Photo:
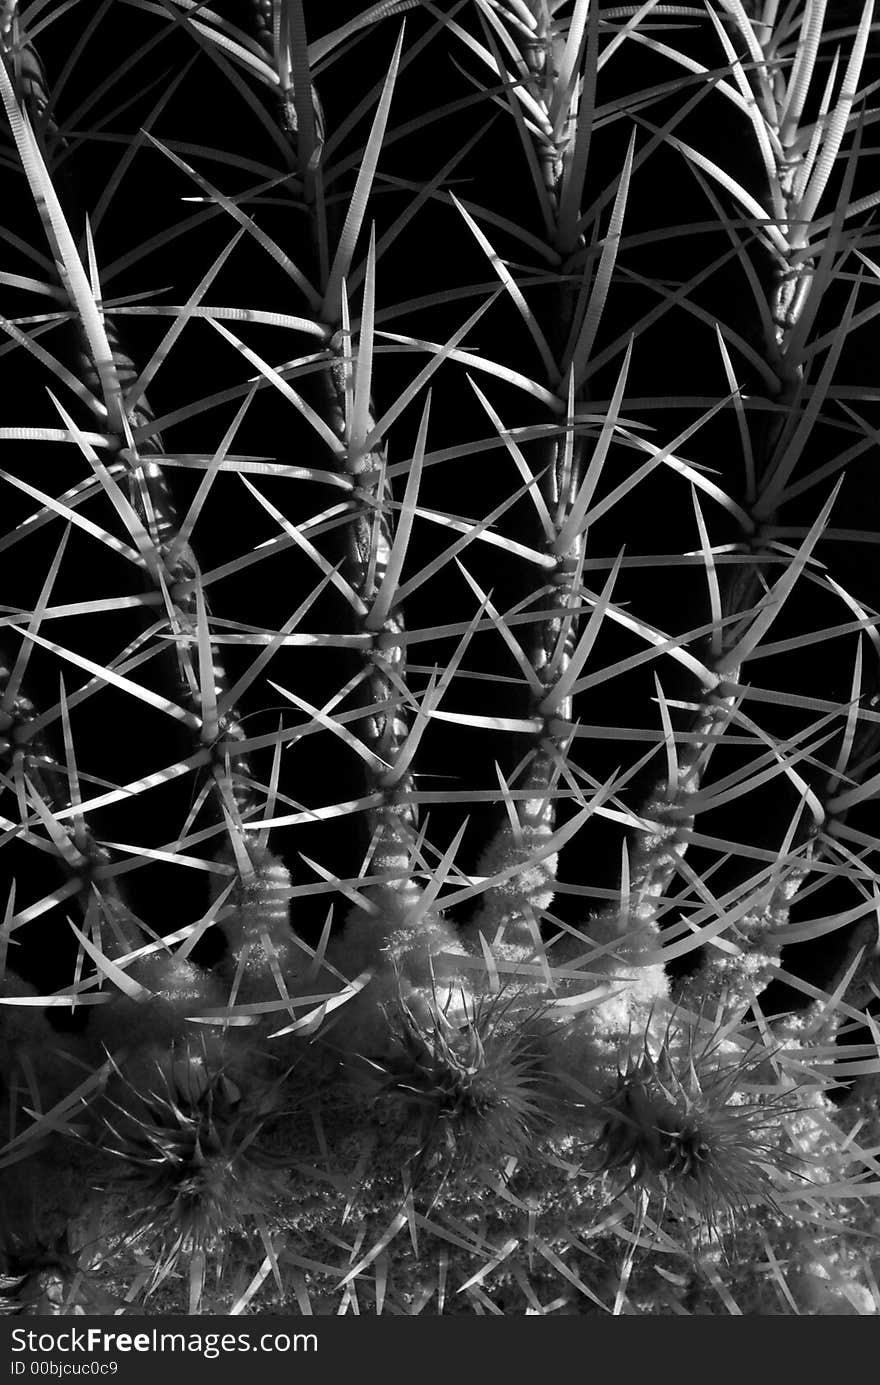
[(439, 667)]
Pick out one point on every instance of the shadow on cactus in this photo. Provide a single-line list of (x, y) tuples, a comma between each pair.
[(439, 659)]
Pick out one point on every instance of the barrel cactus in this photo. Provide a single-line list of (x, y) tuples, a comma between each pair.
[(439, 680)]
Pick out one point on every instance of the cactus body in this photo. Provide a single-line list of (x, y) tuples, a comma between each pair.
[(438, 664)]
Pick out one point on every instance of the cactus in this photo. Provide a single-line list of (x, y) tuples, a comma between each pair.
[(420, 897)]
